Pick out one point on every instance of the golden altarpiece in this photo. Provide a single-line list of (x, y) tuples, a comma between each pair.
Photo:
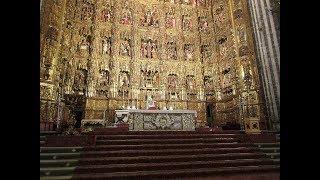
[(101, 55)]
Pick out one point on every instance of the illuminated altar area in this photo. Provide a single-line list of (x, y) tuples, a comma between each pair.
[(142, 120), (188, 55)]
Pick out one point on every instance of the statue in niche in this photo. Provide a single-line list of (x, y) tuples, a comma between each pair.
[(202, 2), (144, 50), (84, 47), (170, 1), (243, 51), (125, 48), (106, 45), (170, 19), (253, 111), (242, 37), (186, 2), (124, 80), (153, 50), (150, 78), (237, 14), (148, 49), (102, 89), (186, 23), (126, 17), (172, 50), (190, 84), (104, 77), (203, 24), (247, 75), (220, 16), (51, 35), (223, 50), (150, 19), (205, 51), (84, 31), (172, 81), (106, 14), (188, 51), (208, 82), (80, 79), (87, 12)]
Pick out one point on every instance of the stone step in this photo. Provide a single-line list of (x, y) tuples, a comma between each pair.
[(161, 152), (165, 136), (59, 155), (56, 171), (168, 158), (262, 145), (273, 155), (105, 131), (271, 150), (59, 163), (55, 177), (166, 146), (164, 141), (176, 173), (169, 166), (60, 149), (43, 138)]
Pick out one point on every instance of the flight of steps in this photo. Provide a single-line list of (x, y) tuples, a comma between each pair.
[(153, 155), (272, 150), (58, 162)]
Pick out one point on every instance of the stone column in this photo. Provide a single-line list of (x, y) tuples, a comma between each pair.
[(268, 57)]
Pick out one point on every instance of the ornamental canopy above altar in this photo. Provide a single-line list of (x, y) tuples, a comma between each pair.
[(144, 120)]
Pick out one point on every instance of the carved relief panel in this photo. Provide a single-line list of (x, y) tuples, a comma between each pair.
[(150, 17), (126, 14), (189, 52), (149, 48), (125, 44), (170, 19)]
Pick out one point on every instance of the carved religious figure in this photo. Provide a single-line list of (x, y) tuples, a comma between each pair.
[(223, 50), (190, 82), (103, 85), (171, 1), (172, 50), (205, 51), (203, 24), (124, 80), (104, 77), (247, 76), (126, 17), (125, 48), (84, 47), (170, 19), (208, 82), (186, 23), (188, 51), (219, 16), (150, 77), (150, 19), (106, 14), (186, 2), (242, 37), (148, 48), (172, 82), (106, 45), (202, 2), (80, 79), (87, 12)]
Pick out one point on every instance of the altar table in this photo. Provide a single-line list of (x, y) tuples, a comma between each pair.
[(147, 120)]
